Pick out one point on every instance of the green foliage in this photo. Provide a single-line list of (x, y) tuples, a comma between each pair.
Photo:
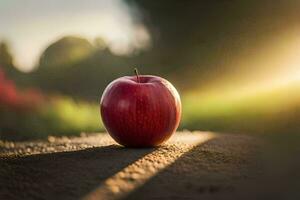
[(68, 117), (59, 116)]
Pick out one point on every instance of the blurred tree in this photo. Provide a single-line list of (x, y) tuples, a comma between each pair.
[(66, 51), (75, 67), (6, 59)]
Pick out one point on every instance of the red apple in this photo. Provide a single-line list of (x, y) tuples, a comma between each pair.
[(141, 110)]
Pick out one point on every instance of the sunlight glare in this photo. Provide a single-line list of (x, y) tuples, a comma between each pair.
[(138, 173)]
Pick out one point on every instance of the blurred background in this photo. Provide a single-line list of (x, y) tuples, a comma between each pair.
[(235, 63)]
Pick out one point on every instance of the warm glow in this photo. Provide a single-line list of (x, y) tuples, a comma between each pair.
[(275, 65)]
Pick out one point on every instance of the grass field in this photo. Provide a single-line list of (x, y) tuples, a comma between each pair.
[(264, 111)]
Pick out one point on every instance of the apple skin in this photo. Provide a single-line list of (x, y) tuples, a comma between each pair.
[(140, 111)]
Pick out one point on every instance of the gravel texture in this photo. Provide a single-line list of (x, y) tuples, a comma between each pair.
[(191, 165)]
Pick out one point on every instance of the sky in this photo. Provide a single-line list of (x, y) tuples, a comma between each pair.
[(29, 26)]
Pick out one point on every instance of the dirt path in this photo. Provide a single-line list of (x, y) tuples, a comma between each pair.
[(189, 166)]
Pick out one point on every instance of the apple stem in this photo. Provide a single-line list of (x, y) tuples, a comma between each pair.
[(137, 74)]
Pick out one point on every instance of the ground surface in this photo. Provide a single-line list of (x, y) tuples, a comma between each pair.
[(198, 165)]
